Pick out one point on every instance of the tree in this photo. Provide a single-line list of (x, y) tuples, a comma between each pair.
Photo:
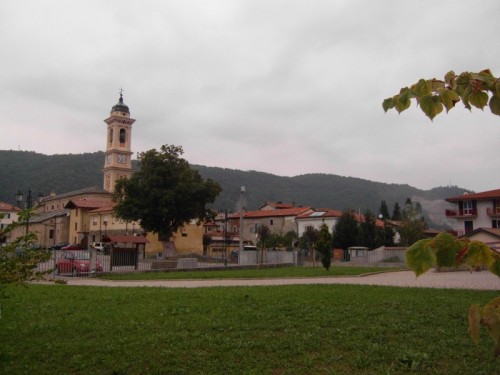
[(165, 193), (396, 212), (432, 95), (324, 246), (444, 250), (383, 211), (18, 260), (345, 233), (368, 231)]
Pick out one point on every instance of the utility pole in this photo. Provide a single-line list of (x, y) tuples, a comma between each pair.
[(242, 191)]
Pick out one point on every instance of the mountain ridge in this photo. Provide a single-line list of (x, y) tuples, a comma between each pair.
[(60, 173)]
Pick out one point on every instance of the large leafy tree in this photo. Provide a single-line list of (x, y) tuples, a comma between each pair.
[(367, 231), (165, 193), (432, 95)]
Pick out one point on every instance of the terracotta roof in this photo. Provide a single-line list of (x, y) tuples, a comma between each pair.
[(109, 207), (88, 190), (85, 203), (271, 213), (485, 195), (8, 207)]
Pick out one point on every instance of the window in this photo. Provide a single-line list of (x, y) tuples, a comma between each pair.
[(271, 222), (468, 208), (51, 233), (184, 234), (76, 226), (111, 135), (123, 135), (495, 224)]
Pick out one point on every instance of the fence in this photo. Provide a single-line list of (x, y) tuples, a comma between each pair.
[(64, 263)]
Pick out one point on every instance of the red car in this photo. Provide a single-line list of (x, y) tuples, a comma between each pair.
[(73, 246), (76, 262)]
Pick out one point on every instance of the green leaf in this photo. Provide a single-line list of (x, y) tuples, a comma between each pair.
[(490, 317), (431, 105), (451, 79), (422, 88), (495, 266), (479, 255), (474, 319), (388, 104), (495, 104), (446, 249), (420, 257), (462, 83), (449, 98), (403, 100), (478, 99)]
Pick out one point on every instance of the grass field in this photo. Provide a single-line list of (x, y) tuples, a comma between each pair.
[(247, 273), (313, 329)]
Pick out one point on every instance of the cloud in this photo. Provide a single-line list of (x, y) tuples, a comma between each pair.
[(286, 87)]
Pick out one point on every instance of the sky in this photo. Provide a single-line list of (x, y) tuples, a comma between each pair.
[(283, 87)]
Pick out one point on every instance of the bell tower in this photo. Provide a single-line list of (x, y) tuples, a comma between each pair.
[(117, 162)]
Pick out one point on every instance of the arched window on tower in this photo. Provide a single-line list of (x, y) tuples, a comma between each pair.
[(123, 135), (111, 135)]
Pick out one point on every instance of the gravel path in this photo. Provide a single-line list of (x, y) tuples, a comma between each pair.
[(483, 280)]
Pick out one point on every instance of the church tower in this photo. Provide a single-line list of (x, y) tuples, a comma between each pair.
[(118, 163)]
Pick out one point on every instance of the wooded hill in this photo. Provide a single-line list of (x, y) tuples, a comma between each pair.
[(22, 170)]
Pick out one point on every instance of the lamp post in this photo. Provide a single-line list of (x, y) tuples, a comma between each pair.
[(28, 206), (242, 191)]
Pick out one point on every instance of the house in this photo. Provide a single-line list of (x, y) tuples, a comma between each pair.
[(8, 215), (475, 210), (490, 236), (279, 221), (315, 219)]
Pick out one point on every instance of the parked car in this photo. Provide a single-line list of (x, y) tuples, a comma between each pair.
[(101, 247), (76, 262), (59, 246), (73, 246)]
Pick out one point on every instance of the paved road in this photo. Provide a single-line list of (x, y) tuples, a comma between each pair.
[(483, 280)]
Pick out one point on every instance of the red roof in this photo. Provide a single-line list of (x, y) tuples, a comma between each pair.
[(85, 203), (485, 195), (8, 207), (271, 213)]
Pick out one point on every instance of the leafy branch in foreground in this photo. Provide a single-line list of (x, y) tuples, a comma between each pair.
[(18, 260), (446, 251), (432, 95)]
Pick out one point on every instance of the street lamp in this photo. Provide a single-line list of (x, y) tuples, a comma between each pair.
[(242, 191), (29, 204)]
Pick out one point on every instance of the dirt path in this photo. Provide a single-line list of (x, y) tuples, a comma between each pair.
[(483, 280)]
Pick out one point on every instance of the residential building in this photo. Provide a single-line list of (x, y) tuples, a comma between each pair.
[(474, 211), (8, 215), (279, 221)]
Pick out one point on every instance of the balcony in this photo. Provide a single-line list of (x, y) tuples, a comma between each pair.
[(493, 212), (458, 214)]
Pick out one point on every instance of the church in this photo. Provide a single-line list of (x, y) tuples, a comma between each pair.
[(86, 215)]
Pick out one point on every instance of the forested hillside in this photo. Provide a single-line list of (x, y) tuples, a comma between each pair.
[(21, 170)]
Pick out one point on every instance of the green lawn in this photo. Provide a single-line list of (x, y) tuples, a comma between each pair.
[(312, 329), (247, 273)]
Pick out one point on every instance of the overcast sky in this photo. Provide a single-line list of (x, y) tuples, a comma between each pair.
[(285, 87)]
